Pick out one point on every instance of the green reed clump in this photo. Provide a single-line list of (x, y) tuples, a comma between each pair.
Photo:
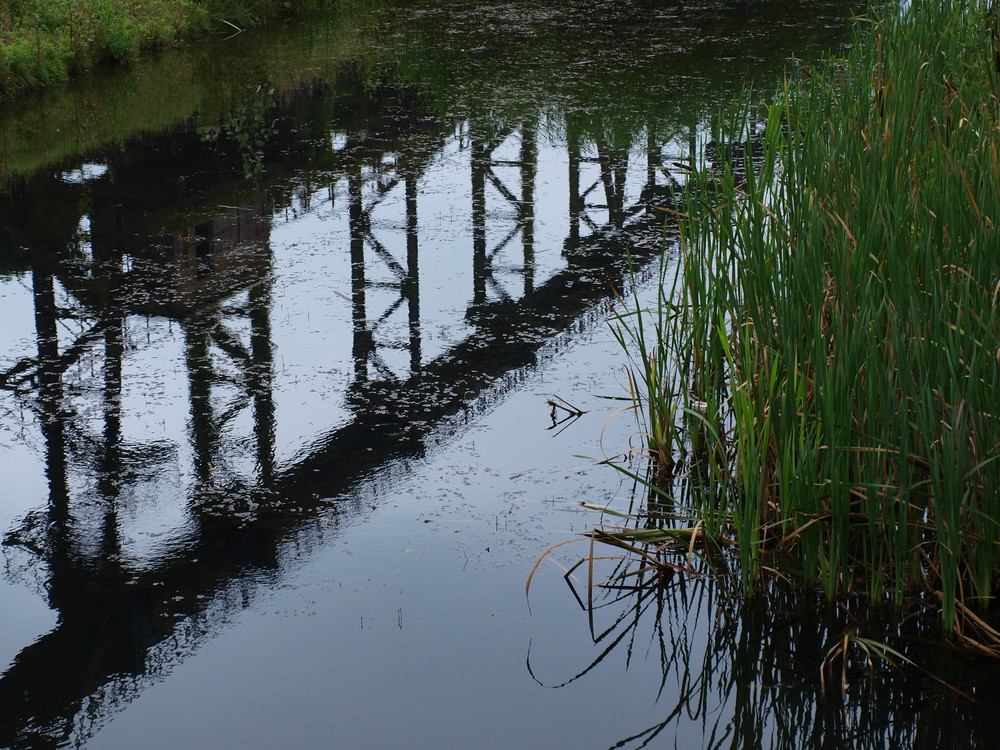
[(827, 363), (45, 41)]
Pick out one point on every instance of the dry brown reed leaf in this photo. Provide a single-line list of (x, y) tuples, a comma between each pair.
[(538, 562)]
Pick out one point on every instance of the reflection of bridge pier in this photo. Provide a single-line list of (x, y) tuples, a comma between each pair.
[(72, 572), (612, 165), (109, 463), (56, 416), (363, 344), (529, 171), (49, 406), (198, 362), (102, 293), (260, 376), (208, 331), (484, 171), (48, 376), (411, 285), (575, 199), (407, 277)]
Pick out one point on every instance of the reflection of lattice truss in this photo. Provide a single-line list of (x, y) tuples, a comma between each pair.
[(487, 163), (383, 180)]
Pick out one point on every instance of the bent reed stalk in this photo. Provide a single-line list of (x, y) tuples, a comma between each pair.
[(824, 374)]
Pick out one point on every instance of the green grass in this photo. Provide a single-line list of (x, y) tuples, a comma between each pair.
[(45, 41), (823, 374)]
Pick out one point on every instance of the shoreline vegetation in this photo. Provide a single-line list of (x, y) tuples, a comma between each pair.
[(820, 384), (43, 42)]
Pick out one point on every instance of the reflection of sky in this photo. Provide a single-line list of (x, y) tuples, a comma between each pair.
[(154, 415), (84, 173), (17, 333)]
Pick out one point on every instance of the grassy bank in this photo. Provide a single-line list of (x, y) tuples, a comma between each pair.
[(45, 41), (823, 381)]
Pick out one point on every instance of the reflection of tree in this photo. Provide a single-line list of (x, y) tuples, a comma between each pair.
[(601, 60), (251, 129), (750, 674)]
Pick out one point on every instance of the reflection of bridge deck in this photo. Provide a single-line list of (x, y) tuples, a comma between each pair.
[(112, 618)]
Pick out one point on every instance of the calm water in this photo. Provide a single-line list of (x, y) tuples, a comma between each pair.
[(283, 317)]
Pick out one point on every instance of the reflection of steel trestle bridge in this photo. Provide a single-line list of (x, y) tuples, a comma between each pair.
[(213, 276)]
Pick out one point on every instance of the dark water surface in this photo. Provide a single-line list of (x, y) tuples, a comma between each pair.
[(282, 315)]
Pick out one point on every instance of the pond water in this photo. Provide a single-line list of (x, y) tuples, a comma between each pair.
[(285, 317)]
